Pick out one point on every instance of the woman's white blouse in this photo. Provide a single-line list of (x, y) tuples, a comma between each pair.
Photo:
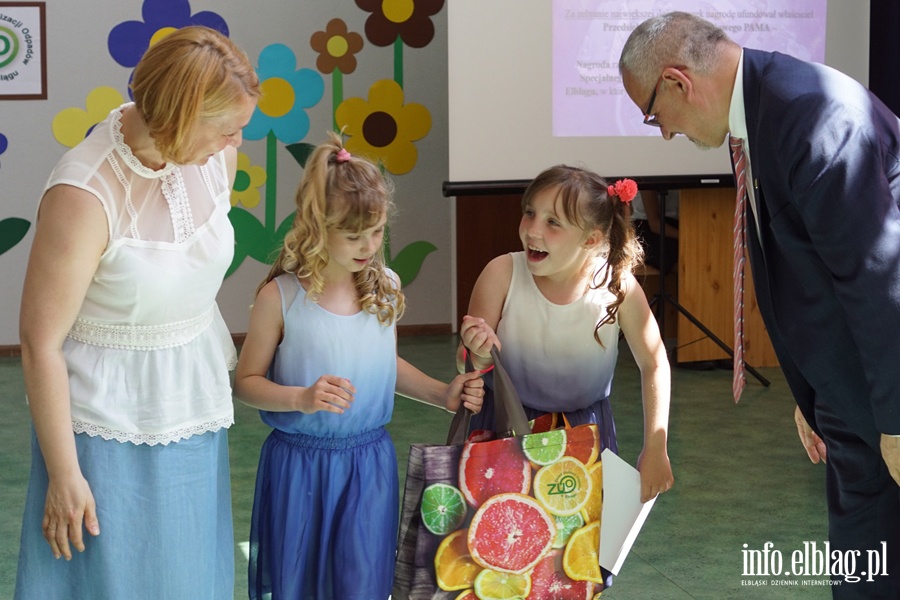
[(149, 353)]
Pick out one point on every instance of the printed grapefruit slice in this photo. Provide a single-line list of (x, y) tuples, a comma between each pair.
[(549, 581), (480, 435), (510, 533), (467, 595), (545, 422), (492, 468), (453, 565), (583, 443)]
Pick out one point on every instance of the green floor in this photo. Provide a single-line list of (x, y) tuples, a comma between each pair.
[(741, 478)]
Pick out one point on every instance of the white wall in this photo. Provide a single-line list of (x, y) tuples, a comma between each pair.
[(79, 61)]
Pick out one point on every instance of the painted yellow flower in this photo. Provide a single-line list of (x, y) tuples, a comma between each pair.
[(71, 125), (383, 128), (247, 182)]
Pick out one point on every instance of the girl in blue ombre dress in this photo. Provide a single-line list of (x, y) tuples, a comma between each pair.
[(320, 362), (557, 309)]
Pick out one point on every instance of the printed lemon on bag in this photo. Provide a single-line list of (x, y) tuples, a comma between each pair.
[(564, 487), (453, 565), (594, 506), (581, 560), (493, 585)]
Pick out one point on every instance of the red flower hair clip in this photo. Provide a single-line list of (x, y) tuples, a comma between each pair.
[(625, 189)]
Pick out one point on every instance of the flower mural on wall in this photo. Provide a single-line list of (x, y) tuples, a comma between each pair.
[(337, 48), (409, 20), (130, 39), (383, 128), (286, 94), (247, 181), (280, 115), (398, 22), (71, 125), (13, 229), (391, 126)]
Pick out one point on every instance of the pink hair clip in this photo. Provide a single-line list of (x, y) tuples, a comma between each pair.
[(625, 189), (342, 156)]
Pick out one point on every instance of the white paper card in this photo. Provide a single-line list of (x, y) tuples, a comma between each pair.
[(623, 513)]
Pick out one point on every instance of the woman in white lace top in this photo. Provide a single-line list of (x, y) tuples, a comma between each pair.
[(124, 352)]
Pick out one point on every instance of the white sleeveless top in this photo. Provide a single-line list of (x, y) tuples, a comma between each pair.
[(149, 353), (549, 350)]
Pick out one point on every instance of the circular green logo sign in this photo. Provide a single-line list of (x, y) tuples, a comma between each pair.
[(9, 46)]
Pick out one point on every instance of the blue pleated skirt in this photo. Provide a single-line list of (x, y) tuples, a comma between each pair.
[(325, 518), (165, 517)]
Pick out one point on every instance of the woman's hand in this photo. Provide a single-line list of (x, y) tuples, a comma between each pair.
[(69, 506)]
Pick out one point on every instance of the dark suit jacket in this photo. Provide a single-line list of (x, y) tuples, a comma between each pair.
[(826, 266)]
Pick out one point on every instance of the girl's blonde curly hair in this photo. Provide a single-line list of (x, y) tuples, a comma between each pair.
[(340, 192)]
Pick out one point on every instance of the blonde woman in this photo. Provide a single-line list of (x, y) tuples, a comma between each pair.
[(124, 352)]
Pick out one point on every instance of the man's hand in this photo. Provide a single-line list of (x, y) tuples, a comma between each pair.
[(812, 443)]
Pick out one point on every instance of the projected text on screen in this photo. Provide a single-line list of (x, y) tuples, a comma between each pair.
[(588, 35)]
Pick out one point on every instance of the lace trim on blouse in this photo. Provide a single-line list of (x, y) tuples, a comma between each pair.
[(141, 337), (173, 188), (151, 439)]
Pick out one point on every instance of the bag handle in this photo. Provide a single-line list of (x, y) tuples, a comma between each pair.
[(509, 415)]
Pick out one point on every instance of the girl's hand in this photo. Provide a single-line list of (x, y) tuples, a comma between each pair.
[(69, 505), (329, 393), (656, 473), (479, 338), (468, 389)]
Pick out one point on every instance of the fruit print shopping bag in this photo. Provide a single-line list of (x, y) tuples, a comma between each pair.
[(517, 516)]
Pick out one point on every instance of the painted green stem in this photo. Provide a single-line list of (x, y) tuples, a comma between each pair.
[(271, 181)]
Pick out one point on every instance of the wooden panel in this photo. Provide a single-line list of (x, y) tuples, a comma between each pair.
[(486, 226), (705, 249)]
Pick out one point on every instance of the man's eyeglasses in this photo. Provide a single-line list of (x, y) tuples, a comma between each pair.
[(650, 118)]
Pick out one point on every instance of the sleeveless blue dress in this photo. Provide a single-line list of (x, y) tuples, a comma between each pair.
[(325, 513)]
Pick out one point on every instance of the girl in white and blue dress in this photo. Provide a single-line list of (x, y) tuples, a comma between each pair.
[(124, 352), (557, 308), (320, 362)]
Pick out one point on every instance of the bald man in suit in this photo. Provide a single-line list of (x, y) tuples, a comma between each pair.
[(823, 237)]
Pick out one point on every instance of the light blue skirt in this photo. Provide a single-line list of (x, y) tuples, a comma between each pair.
[(325, 518), (166, 528)]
